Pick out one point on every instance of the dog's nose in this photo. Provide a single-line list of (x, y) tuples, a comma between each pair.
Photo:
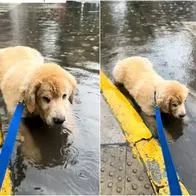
[(182, 115), (58, 121)]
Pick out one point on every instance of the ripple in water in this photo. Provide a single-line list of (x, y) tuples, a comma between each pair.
[(70, 154)]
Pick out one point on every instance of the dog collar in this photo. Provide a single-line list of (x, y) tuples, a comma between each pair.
[(155, 101), (21, 102)]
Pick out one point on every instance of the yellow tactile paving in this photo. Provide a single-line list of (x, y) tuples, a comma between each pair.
[(138, 135), (7, 184)]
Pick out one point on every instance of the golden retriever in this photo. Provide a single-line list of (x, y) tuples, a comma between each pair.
[(46, 88), (140, 79)]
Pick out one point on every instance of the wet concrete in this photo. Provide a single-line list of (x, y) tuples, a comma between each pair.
[(117, 160), (158, 31), (47, 161), (111, 132)]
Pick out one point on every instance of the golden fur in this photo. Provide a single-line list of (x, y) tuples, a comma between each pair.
[(140, 79), (46, 88)]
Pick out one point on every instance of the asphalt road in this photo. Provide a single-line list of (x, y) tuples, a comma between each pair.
[(66, 34), (165, 33)]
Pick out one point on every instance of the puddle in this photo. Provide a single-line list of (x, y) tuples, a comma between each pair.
[(49, 162)]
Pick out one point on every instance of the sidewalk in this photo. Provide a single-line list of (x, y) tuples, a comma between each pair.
[(7, 185), (121, 172)]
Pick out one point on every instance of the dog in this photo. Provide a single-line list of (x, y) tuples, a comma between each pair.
[(45, 88), (142, 82)]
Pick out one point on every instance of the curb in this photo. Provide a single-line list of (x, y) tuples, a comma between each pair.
[(138, 135), (7, 184)]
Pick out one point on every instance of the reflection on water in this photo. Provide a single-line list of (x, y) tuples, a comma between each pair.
[(156, 30), (49, 162), (142, 34)]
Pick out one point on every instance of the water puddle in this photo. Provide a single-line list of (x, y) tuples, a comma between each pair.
[(49, 161)]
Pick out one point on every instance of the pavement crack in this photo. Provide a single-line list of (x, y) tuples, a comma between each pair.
[(143, 139), (154, 185), (157, 188), (114, 144)]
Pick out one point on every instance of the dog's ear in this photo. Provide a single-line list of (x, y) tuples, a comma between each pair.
[(186, 91), (71, 97), (169, 102), (73, 83), (30, 96), (164, 102)]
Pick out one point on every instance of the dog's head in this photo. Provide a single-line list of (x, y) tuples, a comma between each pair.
[(50, 92), (171, 98)]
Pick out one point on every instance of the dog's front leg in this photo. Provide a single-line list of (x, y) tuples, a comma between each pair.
[(148, 110)]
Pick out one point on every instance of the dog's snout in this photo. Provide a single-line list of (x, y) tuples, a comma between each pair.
[(58, 121), (182, 115)]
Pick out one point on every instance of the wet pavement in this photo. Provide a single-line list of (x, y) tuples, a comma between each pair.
[(121, 171), (165, 33), (49, 162)]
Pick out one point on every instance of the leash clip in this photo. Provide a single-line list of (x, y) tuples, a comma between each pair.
[(21, 102)]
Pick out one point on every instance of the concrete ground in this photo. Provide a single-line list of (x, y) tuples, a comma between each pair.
[(48, 162), (121, 172), (165, 33)]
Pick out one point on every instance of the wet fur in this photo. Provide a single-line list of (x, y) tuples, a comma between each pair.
[(25, 77), (141, 80)]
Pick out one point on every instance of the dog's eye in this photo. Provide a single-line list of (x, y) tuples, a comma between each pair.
[(64, 96), (46, 99), (174, 105)]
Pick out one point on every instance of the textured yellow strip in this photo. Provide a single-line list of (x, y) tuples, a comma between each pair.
[(1, 136), (7, 184), (151, 154), (138, 135)]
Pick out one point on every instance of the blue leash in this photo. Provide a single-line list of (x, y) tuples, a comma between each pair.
[(174, 185), (8, 145)]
